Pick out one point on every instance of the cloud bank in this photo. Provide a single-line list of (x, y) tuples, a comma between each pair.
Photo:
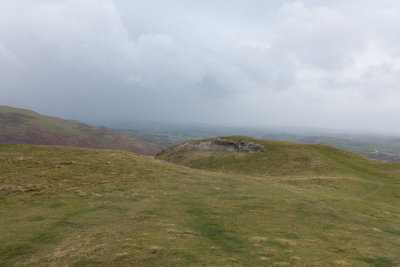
[(315, 63)]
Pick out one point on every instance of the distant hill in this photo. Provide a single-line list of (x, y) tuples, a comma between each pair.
[(20, 126)]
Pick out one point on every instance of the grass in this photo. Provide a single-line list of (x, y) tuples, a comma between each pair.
[(83, 207), (385, 149)]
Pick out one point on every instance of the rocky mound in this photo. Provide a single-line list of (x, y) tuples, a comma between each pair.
[(222, 144), (215, 144)]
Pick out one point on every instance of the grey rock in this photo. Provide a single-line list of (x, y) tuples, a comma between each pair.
[(222, 144)]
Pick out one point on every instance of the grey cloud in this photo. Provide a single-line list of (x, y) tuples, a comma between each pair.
[(311, 62)]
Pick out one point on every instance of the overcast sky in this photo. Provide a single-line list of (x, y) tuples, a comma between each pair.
[(310, 63)]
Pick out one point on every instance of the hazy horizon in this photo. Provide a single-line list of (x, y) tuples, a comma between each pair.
[(228, 129), (310, 63)]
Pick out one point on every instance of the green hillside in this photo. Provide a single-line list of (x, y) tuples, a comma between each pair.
[(292, 205), (380, 148), (280, 158), (20, 126)]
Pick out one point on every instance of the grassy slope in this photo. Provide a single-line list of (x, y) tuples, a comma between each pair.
[(85, 207), (27, 127), (281, 159), (385, 150)]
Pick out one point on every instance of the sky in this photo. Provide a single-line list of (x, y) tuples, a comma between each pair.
[(302, 63)]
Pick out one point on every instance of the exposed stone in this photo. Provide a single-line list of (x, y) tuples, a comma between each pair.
[(222, 144)]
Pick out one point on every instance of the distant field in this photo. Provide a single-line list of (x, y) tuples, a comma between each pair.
[(293, 205)]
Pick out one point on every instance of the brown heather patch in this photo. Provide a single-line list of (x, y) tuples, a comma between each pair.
[(27, 127)]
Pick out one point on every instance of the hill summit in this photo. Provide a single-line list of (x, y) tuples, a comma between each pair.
[(232, 154)]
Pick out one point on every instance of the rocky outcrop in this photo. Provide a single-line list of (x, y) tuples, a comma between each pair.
[(223, 144)]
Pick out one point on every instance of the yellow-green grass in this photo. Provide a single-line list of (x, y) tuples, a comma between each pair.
[(78, 207)]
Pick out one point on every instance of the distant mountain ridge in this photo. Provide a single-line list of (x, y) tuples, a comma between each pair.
[(21, 126)]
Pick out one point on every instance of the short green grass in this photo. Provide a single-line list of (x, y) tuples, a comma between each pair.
[(83, 207), (385, 149)]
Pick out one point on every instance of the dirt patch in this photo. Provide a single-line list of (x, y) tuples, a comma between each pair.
[(257, 239), (21, 188), (285, 241)]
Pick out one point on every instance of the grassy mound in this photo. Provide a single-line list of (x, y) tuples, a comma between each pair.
[(79, 207), (280, 159)]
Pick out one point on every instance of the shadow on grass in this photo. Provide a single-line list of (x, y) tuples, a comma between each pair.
[(14, 250), (206, 223), (379, 261)]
